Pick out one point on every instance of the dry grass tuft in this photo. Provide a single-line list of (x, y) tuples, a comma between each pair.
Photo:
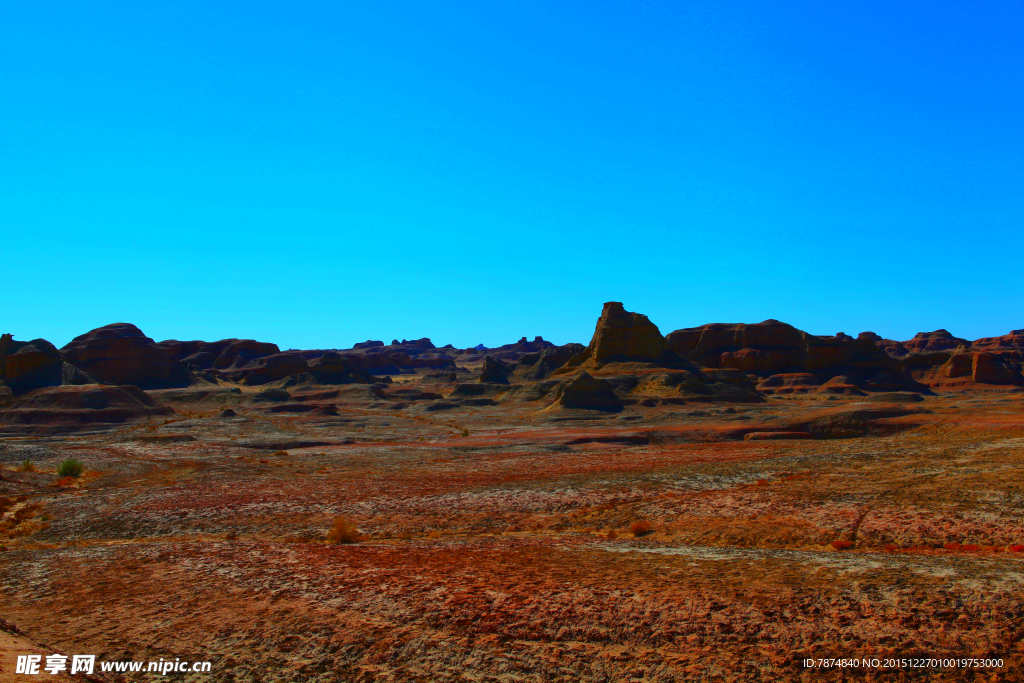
[(343, 532), (641, 528)]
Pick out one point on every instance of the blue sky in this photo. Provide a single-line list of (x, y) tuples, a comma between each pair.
[(319, 173)]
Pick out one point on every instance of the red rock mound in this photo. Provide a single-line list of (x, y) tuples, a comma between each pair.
[(121, 354), (939, 340), (773, 349), (940, 360), (968, 368)]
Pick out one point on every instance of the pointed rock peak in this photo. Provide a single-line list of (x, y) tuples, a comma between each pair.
[(623, 335), (584, 379)]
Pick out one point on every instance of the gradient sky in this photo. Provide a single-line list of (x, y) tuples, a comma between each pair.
[(320, 173)]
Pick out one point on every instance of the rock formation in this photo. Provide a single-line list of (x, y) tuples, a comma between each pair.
[(55, 410), (35, 364), (494, 371), (623, 337), (333, 368), (540, 365), (270, 369), (583, 392), (773, 348), (939, 340), (121, 354), (940, 360)]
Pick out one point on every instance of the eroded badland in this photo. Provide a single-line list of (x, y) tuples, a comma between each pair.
[(720, 503)]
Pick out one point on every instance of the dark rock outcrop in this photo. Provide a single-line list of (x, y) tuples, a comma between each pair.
[(121, 354), (494, 371), (584, 392), (237, 353), (35, 364), (539, 366), (25, 366), (270, 369), (333, 368)]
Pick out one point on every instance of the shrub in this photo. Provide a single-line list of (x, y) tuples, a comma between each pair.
[(641, 528), (842, 545), (1017, 548), (70, 468), (343, 532), (27, 466), (465, 432), (280, 453), (611, 535)]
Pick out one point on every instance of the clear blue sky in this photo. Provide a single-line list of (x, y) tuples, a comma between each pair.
[(319, 173)]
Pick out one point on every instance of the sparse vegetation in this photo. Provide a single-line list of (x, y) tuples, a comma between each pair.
[(70, 468), (465, 432), (343, 532), (27, 466)]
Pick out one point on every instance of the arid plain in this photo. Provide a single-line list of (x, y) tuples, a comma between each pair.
[(721, 503)]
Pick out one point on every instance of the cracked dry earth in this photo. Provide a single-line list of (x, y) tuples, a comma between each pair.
[(507, 554)]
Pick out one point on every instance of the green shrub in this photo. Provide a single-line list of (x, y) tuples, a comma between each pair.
[(27, 466), (70, 468)]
